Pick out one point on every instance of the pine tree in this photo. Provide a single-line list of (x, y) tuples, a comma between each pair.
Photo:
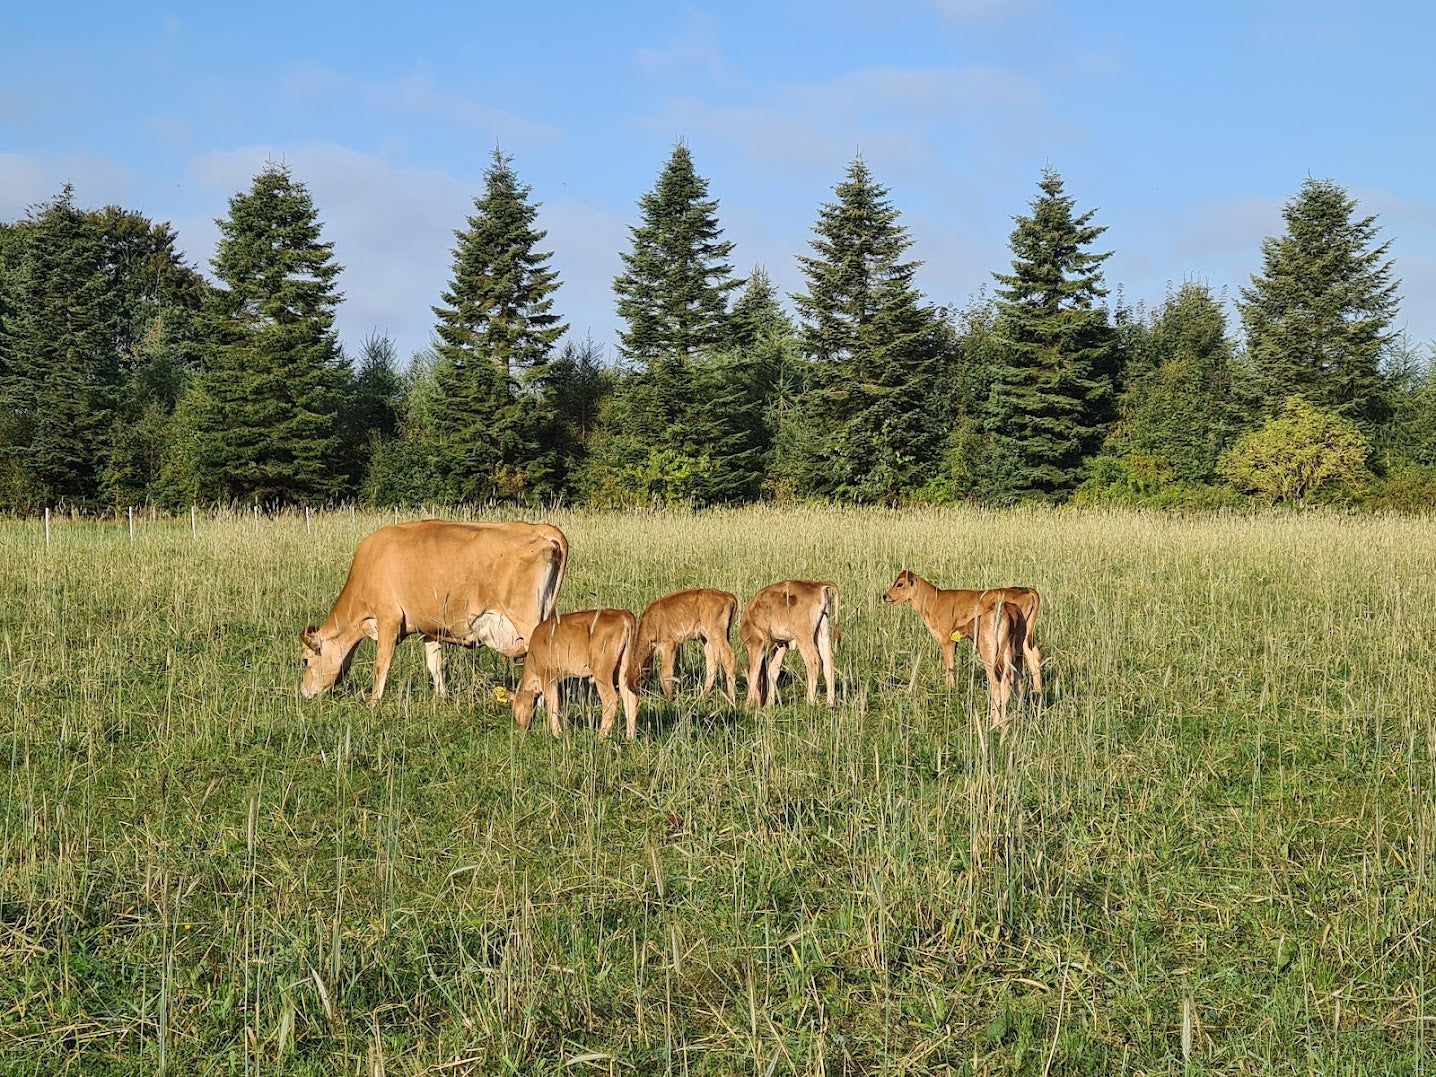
[(497, 331), (1318, 319), (269, 400), (1053, 357), (673, 292), (872, 340)]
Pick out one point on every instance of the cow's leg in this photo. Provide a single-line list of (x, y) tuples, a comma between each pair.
[(1034, 662), (608, 696), (755, 674), (825, 652), (775, 667), (387, 638), (630, 703), (434, 659), (809, 650), (550, 702), (667, 660), (710, 665), (723, 651), (949, 659)]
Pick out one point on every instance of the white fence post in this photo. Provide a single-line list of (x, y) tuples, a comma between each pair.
[(47, 525), (132, 525), (193, 525)]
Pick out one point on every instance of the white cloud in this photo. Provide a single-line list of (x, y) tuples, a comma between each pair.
[(392, 230), (28, 179)]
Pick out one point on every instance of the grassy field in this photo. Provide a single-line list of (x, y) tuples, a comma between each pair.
[(1210, 849)]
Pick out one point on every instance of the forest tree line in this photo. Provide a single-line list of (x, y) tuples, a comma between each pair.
[(127, 378)]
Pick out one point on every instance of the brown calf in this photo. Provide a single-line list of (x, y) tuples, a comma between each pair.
[(594, 644), (953, 615), (800, 612), (997, 629), (672, 621)]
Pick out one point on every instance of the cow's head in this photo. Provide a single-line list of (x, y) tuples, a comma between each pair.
[(903, 588), (324, 665)]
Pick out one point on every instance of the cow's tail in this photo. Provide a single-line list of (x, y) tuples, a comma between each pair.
[(551, 578), (629, 671), (830, 603)]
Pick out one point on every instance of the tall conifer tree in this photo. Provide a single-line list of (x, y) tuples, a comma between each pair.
[(875, 422), (1052, 350), (497, 331), (268, 403), (673, 292), (59, 366), (1318, 318)]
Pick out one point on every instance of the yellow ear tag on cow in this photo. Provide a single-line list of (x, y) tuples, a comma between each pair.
[(957, 636), (501, 694)]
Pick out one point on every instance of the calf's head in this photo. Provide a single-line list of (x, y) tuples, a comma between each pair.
[(904, 588)]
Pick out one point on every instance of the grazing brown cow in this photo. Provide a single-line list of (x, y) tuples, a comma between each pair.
[(596, 644), (781, 615), (953, 615), (672, 621), (464, 583)]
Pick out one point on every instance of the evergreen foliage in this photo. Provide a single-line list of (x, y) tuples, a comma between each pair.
[(874, 413), (1054, 359), (268, 403), (496, 331), (95, 339), (1179, 407), (673, 292), (371, 413), (1318, 318)]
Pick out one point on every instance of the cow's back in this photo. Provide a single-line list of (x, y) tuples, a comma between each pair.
[(439, 571)]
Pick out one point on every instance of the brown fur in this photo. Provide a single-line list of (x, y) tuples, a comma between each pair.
[(955, 613), (672, 621), (996, 629), (593, 644), (463, 583), (793, 612)]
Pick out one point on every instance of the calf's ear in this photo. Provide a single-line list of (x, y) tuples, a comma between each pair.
[(307, 637)]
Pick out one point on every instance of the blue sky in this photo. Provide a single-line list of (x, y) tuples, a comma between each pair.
[(1184, 127)]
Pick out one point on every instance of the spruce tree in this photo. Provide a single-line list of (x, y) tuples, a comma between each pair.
[(268, 403), (877, 420), (1178, 407), (496, 332), (1052, 349), (1318, 318), (673, 431), (673, 292), (59, 366)]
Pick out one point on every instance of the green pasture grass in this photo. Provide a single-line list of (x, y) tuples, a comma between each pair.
[(1209, 849)]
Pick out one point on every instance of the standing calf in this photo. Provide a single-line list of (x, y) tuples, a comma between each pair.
[(594, 644), (954, 615), (672, 621), (781, 615), (997, 629)]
